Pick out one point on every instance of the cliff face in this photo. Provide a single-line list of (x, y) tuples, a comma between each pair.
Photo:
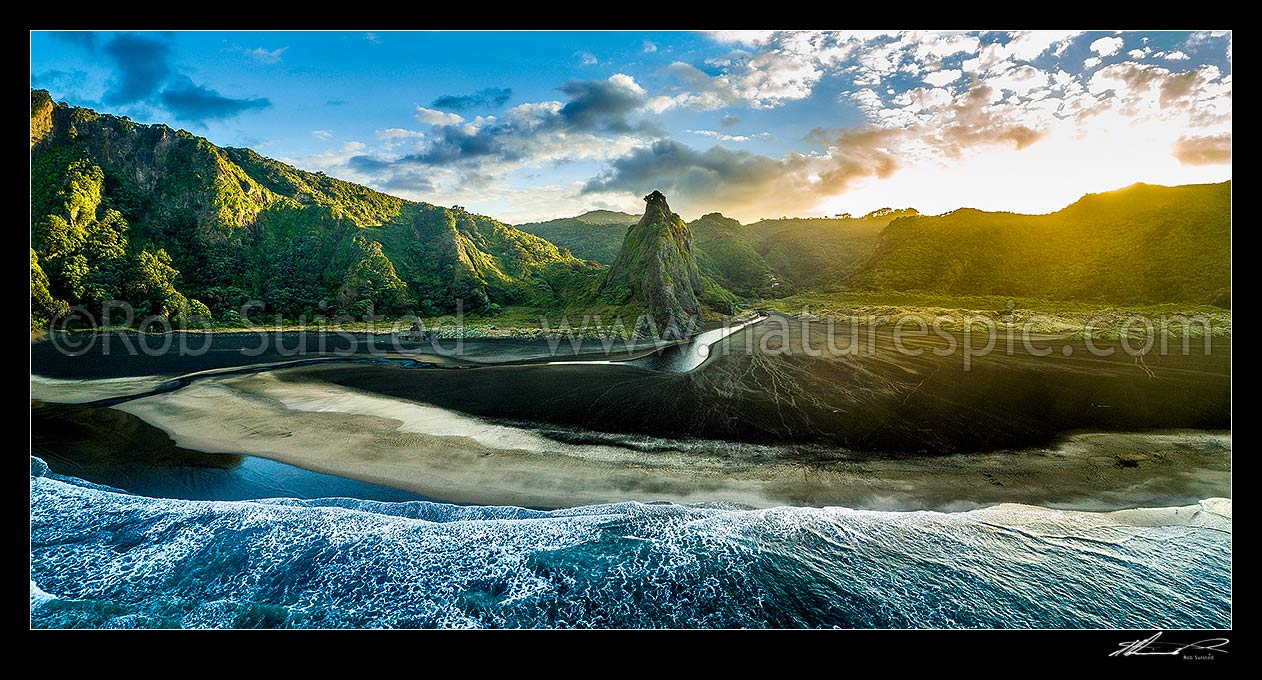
[(657, 268)]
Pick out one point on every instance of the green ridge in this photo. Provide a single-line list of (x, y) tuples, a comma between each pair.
[(1141, 244), (164, 219)]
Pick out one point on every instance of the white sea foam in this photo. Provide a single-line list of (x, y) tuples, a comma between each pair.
[(342, 562), (38, 596)]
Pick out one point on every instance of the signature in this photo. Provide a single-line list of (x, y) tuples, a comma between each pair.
[(1154, 647)]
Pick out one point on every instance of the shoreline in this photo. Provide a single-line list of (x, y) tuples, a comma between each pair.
[(747, 427), (446, 455)]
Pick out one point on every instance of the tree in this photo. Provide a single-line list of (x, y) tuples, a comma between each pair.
[(43, 305), (373, 280), (153, 284)]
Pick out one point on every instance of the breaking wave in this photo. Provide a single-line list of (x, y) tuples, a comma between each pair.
[(104, 558)]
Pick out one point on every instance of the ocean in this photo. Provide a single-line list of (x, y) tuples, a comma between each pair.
[(103, 558)]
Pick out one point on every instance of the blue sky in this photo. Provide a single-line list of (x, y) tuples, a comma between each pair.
[(532, 125)]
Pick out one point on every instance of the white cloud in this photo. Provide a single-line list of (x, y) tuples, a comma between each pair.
[(1017, 106), (1201, 37), (601, 120), (931, 46), (1020, 80), (1106, 47), (1023, 46), (396, 133), (924, 99), (264, 56), (868, 100), (626, 82), (432, 117), (751, 38), (586, 58), (372, 38), (783, 66), (1090, 63), (329, 159), (773, 78), (322, 134), (648, 47), (1177, 56), (1028, 45), (724, 137), (661, 104), (943, 77), (1139, 54)]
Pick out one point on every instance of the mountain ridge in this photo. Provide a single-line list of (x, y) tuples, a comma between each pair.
[(595, 235), (166, 220), (1141, 243), (176, 225)]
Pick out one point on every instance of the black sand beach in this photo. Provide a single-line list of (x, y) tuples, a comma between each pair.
[(752, 391), (764, 420)]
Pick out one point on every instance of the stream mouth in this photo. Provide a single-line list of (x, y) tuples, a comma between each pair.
[(688, 356), (676, 358)]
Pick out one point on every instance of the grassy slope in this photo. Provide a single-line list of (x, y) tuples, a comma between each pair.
[(727, 256), (595, 235), (1069, 318), (1139, 244), (818, 253)]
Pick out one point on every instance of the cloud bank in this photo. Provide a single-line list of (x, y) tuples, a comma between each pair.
[(901, 101)]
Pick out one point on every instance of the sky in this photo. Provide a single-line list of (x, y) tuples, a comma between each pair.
[(526, 126)]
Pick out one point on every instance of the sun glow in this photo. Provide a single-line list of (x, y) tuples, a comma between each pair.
[(1055, 171)]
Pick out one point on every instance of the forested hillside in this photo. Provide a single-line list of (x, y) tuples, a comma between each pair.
[(1143, 243), (594, 235), (174, 225), (168, 221)]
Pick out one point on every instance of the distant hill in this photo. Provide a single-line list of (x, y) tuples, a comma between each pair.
[(727, 254), (167, 220), (819, 253), (607, 217), (768, 258), (1143, 243), (595, 235), (173, 224)]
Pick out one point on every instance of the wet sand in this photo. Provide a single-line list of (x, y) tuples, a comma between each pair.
[(110, 447), (122, 354), (757, 387), (761, 421), (446, 455)]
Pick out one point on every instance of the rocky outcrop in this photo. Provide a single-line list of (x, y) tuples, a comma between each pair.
[(657, 269)]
